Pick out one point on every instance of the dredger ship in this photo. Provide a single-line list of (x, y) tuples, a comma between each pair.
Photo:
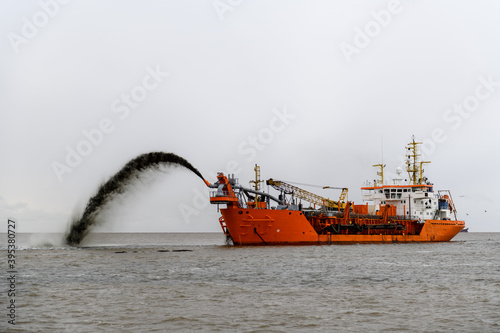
[(409, 210)]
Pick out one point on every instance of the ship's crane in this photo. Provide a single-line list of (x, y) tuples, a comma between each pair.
[(287, 188)]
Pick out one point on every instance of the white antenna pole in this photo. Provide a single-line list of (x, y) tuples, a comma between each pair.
[(382, 144)]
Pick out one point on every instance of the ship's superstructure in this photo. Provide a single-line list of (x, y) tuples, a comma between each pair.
[(414, 197), (405, 211)]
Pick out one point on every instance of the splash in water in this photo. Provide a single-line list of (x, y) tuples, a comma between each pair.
[(117, 185)]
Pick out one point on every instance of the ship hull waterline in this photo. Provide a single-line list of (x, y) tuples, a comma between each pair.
[(284, 227)]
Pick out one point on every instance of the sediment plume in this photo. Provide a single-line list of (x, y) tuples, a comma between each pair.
[(117, 184)]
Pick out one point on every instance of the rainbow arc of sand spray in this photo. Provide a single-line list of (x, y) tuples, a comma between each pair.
[(80, 226)]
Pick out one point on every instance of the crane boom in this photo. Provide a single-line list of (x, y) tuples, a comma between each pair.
[(306, 195)]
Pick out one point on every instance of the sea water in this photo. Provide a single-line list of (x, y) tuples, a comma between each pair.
[(194, 282)]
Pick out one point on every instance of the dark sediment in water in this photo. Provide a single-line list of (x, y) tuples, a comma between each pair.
[(117, 185)]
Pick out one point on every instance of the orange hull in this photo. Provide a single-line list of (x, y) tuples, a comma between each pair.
[(285, 227)]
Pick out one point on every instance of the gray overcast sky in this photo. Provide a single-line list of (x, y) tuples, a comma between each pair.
[(306, 89)]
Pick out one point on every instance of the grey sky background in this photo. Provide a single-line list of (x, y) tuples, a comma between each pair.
[(267, 82)]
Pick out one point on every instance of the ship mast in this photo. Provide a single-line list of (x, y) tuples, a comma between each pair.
[(257, 182), (413, 163), (380, 174)]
